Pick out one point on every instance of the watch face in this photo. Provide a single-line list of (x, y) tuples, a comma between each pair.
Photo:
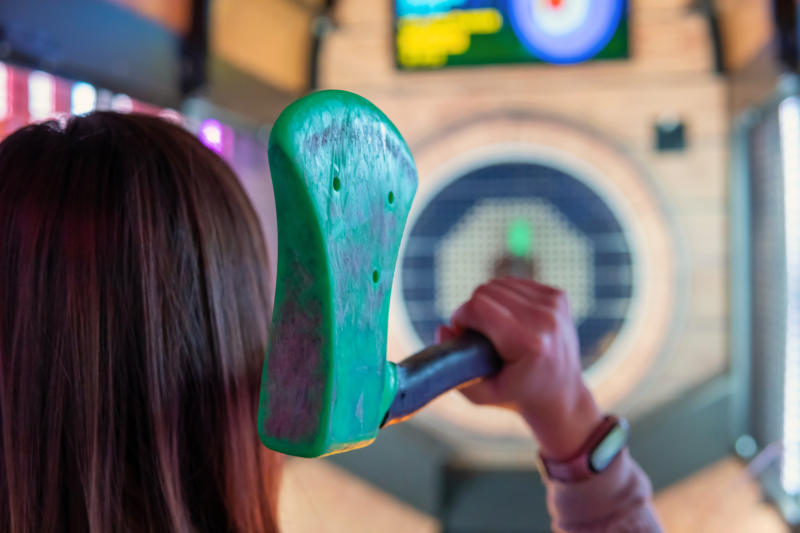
[(522, 219), (609, 447)]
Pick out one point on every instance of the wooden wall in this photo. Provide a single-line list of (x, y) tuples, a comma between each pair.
[(671, 69), (746, 28), (269, 39)]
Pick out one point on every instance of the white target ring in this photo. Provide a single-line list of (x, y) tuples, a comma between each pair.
[(565, 31), (560, 17)]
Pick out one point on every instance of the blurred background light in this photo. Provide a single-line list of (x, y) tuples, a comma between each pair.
[(104, 98), (4, 92), (746, 446), (84, 98), (789, 117), (41, 95), (211, 135), (122, 103), (172, 116)]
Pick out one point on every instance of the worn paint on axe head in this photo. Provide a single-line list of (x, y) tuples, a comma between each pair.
[(344, 180)]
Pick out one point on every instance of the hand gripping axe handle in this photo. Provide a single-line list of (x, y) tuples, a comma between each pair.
[(344, 180)]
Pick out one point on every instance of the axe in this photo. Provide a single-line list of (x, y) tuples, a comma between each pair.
[(344, 180)]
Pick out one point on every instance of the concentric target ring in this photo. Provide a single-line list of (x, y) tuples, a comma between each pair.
[(565, 31)]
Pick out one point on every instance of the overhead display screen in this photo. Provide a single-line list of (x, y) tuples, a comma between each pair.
[(433, 34)]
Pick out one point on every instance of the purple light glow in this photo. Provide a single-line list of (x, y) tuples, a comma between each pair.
[(211, 134)]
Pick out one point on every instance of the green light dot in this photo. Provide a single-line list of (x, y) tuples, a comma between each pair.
[(376, 276), (391, 197), (337, 184), (519, 238)]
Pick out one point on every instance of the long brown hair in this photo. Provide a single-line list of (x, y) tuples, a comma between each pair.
[(133, 323)]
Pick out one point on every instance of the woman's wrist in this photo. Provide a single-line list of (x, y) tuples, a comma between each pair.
[(562, 430)]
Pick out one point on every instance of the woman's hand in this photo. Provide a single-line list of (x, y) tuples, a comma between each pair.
[(532, 329)]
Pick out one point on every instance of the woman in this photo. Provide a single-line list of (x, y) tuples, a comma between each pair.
[(133, 323)]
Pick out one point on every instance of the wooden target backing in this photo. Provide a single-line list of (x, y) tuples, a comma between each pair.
[(494, 171)]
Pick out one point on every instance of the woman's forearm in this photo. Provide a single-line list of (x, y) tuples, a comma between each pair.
[(562, 431), (617, 500)]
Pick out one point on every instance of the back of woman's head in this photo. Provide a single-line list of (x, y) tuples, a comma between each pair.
[(133, 324)]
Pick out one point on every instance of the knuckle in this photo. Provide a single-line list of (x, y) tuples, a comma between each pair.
[(470, 307), (533, 344), (475, 307), (551, 301), (482, 289), (559, 298), (545, 320)]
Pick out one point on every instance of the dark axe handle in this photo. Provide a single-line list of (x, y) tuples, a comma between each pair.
[(440, 368)]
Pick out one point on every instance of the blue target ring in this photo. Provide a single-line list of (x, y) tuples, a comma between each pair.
[(565, 31), (612, 261)]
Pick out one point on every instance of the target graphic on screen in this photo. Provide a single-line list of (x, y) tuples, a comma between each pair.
[(565, 31)]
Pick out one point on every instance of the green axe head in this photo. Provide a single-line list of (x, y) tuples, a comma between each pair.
[(344, 180)]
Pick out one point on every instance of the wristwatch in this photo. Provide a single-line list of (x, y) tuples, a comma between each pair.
[(602, 446)]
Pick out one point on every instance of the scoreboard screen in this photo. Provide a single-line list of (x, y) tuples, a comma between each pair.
[(432, 34)]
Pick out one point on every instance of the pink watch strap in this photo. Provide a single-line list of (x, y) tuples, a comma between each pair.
[(577, 467)]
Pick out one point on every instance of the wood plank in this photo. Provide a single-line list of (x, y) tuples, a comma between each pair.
[(652, 5), (357, 12), (694, 179), (709, 296), (700, 103), (699, 355), (271, 39), (317, 496), (747, 29), (718, 499), (707, 237)]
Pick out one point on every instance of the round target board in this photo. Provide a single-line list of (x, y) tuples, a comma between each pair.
[(565, 31), (533, 196), (527, 220)]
